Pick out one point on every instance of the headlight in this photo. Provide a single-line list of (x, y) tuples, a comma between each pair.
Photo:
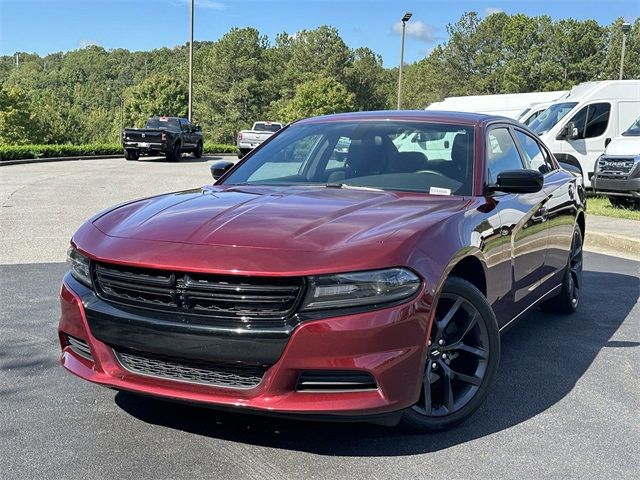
[(596, 166), (360, 288), (79, 266)]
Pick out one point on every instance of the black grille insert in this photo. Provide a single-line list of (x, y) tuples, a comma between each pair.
[(616, 166), (222, 374), (335, 380), (80, 347), (223, 296)]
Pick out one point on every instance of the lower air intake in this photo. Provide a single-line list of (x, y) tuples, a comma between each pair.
[(335, 380), (80, 347), (221, 374)]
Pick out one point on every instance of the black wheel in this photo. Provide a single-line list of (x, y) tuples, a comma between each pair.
[(197, 153), (131, 154), (463, 353), (625, 202), (174, 155), (568, 299)]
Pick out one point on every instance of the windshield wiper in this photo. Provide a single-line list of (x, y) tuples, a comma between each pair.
[(352, 187)]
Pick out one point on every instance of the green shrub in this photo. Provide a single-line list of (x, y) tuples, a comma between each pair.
[(18, 152)]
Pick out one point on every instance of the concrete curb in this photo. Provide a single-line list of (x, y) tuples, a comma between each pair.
[(22, 161), (610, 244)]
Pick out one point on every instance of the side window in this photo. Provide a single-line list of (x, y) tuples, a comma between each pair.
[(597, 119), (502, 153), (592, 120), (535, 156), (184, 124)]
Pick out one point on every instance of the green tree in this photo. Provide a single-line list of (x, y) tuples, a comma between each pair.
[(159, 95), (321, 96), (17, 121)]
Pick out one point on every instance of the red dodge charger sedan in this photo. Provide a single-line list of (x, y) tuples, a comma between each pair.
[(354, 266)]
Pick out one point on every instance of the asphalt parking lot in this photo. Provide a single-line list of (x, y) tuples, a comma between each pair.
[(565, 403)]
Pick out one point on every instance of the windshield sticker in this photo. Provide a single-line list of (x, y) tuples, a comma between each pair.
[(439, 191)]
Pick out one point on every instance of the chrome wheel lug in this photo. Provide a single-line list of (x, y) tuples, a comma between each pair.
[(441, 342), (429, 343), (444, 356), (434, 365)]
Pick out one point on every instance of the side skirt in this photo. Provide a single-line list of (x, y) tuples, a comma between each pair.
[(518, 317)]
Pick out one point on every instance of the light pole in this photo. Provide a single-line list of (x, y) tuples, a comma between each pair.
[(626, 28), (191, 58), (405, 19)]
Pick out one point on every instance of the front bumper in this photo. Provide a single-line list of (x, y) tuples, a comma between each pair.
[(389, 344), (628, 187)]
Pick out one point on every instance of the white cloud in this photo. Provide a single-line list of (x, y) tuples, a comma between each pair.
[(209, 4), (86, 42), (491, 10), (417, 29)]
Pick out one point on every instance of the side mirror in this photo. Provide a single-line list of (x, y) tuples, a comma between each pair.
[(220, 167), (446, 144), (519, 181), (197, 128), (572, 131)]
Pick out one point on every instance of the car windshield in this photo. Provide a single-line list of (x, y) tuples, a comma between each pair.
[(162, 122), (388, 155), (550, 117), (633, 130), (266, 127)]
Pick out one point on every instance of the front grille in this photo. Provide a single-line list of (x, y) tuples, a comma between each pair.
[(80, 347), (616, 166), (222, 296), (221, 374)]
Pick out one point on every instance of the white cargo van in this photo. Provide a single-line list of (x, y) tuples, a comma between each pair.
[(578, 128), (510, 105)]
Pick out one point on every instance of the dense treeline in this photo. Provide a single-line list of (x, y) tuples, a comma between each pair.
[(84, 95)]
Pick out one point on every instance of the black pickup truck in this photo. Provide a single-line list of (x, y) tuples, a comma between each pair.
[(170, 136)]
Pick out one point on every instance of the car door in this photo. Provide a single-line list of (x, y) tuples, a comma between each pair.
[(187, 135), (591, 122), (560, 189), (523, 218)]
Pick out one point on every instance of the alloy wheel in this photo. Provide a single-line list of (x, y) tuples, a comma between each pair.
[(575, 269), (457, 358)]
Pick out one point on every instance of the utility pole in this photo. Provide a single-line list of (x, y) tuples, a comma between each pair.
[(191, 8), (405, 19), (626, 28), (17, 60)]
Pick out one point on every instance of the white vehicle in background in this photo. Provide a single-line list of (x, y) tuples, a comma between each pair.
[(617, 170), (511, 105), (250, 139), (579, 127)]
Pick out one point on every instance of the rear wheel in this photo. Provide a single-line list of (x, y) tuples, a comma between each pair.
[(131, 154), (197, 153), (463, 353), (568, 299), (625, 202), (175, 153)]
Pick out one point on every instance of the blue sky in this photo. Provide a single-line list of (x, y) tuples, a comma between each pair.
[(46, 26)]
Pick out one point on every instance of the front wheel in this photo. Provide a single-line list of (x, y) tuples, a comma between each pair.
[(462, 358), (197, 153)]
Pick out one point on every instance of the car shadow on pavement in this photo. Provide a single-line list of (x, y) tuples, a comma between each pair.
[(542, 359)]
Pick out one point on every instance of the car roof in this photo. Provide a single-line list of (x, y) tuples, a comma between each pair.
[(439, 116)]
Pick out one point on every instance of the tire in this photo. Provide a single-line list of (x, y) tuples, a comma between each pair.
[(242, 152), (175, 153), (197, 153), (464, 346), (568, 300), (131, 154), (624, 202)]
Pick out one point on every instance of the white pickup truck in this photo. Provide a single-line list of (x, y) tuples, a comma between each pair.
[(250, 139)]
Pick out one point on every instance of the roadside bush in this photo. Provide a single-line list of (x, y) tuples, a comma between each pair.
[(18, 152), (218, 148)]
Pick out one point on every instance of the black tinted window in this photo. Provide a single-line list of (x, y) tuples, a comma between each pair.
[(163, 122), (502, 153), (597, 119)]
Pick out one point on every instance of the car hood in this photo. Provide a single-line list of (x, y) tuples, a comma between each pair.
[(284, 218), (622, 145)]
